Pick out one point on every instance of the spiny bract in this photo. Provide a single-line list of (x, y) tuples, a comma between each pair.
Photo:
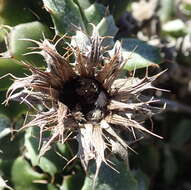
[(82, 97)]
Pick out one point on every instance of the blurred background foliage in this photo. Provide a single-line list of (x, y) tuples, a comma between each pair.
[(153, 32)]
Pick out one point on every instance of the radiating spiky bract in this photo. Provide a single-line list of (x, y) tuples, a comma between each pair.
[(84, 99)]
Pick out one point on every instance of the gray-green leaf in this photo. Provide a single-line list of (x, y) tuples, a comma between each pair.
[(65, 14), (139, 54), (109, 179)]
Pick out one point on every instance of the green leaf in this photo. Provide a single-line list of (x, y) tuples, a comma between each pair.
[(174, 28), (5, 167), (18, 47), (139, 54), (8, 65), (64, 149), (117, 7), (107, 27), (181, 134), (25, 177), (73, 182), (167, 9), (170, 165), (65, 14), (3, 184), (84, 3), (7, 144), (3, 33), (142, 180), (15, 12), (50, 162), (13, 110), (95, 13), (109, 179), (149, 160), (5, 126), (185, 9)]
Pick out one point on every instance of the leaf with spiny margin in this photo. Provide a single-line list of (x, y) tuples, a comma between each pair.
[(10, 65), (50, 162), (95, 13), (107, 27), (175, 28), (84, 3), (167, 10), (65, 15), (150, 155), (14, 110), (117, 7), (24, 176), (5, 126), (15, 12), (5, 167), (10, 149), (170, 165), (109, 179), (3, 184), (181, 134), (139, 54), (73, 182), (142, 179), (18, 47)]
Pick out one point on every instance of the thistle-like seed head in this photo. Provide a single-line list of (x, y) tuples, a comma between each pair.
[(85, 99)]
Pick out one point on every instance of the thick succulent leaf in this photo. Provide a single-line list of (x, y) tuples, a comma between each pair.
[(50, 162), (25, 177), (18, 47), (5, 126), (109, 179), (65, 14), (139, 54)]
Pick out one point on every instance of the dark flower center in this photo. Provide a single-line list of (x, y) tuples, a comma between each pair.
[(85, 95)]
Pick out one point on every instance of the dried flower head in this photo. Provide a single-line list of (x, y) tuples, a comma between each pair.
[(85, 99)]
